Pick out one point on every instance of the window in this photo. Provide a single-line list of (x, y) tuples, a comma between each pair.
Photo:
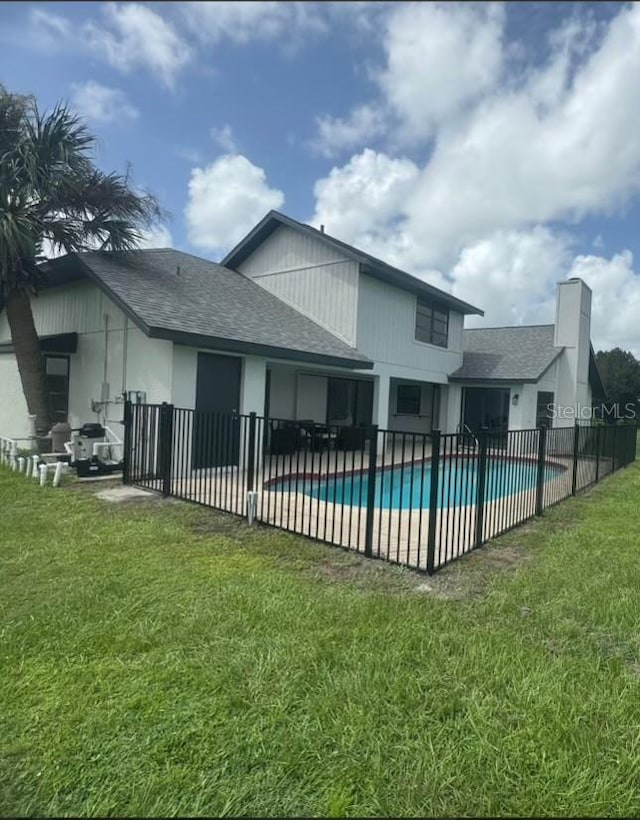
[(408, 400), (432, 324), (543, 409), (57, 378)]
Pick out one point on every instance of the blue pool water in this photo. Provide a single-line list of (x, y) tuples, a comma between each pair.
[(409, 486)]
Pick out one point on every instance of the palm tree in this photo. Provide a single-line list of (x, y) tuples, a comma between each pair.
[(51, 193)]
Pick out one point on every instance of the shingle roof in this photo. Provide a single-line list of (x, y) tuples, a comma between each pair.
[(520, 353), (370, 264), (175, 295)]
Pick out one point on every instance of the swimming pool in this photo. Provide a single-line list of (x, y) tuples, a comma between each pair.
[(408, 486)]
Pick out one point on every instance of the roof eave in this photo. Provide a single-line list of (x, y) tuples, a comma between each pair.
[(389, 274), (256, 235), (124, 306), (492, 379), (256, 349)]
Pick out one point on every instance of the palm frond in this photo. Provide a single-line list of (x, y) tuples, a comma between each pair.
[(50, 189)]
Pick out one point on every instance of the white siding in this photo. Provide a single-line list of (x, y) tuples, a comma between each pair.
[(13, 407), (82, 308), (78, 308), (386, 333), (309, 275)]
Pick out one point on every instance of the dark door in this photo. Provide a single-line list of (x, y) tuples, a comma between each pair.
[(216, 433), (486, 407)]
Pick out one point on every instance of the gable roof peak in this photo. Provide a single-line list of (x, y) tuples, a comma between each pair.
[(369, 264)]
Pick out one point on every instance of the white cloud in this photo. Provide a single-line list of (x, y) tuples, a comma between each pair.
[(362, 203), (364, 123), (243, 22), (440, 57), (226, 199), (47, 29), (517, 161), (157, 236), (616, 300), (134, 36), (511, 275), (223, 137), (550, 148), (99, 103)]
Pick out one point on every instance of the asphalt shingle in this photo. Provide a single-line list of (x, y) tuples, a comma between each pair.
[(520, 353), (177, 292)]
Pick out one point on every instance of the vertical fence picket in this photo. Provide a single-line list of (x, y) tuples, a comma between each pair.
[(371, 490), (433, 500), (478, 487), (482, 479), (574, 466), (542, 453)]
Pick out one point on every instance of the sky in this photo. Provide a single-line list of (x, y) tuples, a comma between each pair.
[(490, 149)]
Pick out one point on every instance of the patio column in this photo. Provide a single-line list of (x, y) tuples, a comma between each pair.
[(254, 380), (381, 388), (252, 395)]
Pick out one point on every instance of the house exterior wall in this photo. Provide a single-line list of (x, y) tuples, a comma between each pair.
[(314, 278), (185, 377), (375, 317), (82, 308), (386, 334), (422, 423), (13, 407)]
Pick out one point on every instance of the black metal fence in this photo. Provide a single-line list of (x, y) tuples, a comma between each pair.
[(412, 499)]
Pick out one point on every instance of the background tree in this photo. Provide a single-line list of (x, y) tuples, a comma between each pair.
[(620, 371), (51, 192)]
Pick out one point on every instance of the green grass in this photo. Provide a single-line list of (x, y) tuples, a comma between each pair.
[(161, 659)]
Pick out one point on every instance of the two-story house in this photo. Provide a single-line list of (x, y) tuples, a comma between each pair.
[(293, 324)]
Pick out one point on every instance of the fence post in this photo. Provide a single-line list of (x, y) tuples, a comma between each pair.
[(482, 485), (165, 443), (598, 429), (542, 453), (433, 500), (251, 456), (371, 490), (614, 448), (576, 446), (126, 466)]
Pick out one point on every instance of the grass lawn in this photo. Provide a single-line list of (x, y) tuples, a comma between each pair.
[(161, 659)]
